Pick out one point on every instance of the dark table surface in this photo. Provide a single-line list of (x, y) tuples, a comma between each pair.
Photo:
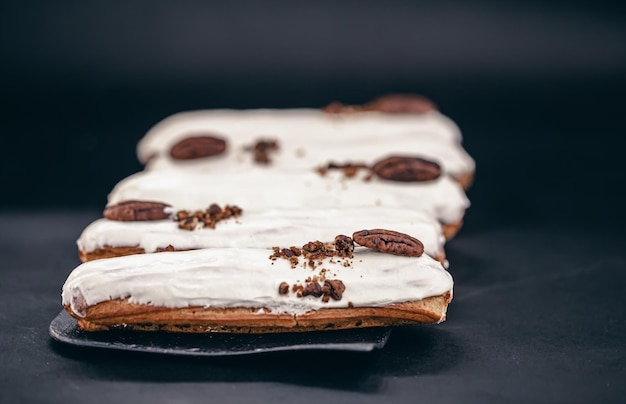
[(539, 309)]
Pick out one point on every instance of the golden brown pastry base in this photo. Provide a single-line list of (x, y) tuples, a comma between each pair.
[(466, 180), (451, 230), (120, 314), (111, 252)]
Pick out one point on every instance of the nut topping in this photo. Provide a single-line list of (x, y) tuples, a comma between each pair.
[(208, 218), (389, 241), (407, 169), (196, 147), (131, 211), (262, 149), (401, 104), (292, 253), (333, 288), (313, 289), (349, 169), (314, 250), (283, 288), (344, 246), (390, 104)]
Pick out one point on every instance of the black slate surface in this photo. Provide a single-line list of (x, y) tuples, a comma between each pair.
[(63, 329), (538, 316), (539, 312)]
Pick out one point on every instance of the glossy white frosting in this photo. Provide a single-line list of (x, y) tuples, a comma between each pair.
[(264, 229), (264, 188), (246, 277), (284, 203), (309, 138)]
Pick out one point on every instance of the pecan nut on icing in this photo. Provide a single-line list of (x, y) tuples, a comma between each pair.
[(401, 104), (389, 241), (407, 169), (132, 211), (389, 104), (196, 147)]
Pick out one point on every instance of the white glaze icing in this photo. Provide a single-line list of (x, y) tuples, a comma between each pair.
[(246, 277), (264, 229), (309, 138), (285, 203), (263, 188)]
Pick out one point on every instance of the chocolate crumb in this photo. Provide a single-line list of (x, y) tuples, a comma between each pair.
[(344, 246), (261, 150), (314, 252), (291, 254), (214, 209), (313, 289), (334, 288), (349, 169), (208, 218), (189, 223)]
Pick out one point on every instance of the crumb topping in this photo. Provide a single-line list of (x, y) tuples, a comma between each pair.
[(198, 219), (292, 253), (349, 169), (314, 252), (325, 289), (261, 150)]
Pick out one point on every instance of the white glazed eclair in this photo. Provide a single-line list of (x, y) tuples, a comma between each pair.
[(248, 290)]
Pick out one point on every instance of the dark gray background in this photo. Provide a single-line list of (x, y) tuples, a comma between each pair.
[(539, 267), (83, 81)]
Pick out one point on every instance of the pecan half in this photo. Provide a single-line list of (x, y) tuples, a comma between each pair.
[(390, 103), (389, 241), (407, 169), (196, 147), (401, 104), (130, 211)]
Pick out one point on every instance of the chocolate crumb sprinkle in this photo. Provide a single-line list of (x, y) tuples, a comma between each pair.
[(349, 169), (261, 150), (208, 218), (283, 288), (314, 252)]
